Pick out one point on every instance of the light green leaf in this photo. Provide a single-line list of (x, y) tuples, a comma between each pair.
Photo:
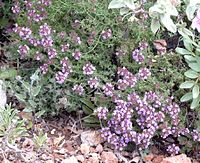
[(195, 103), (168, 23), (188, 44), (186, 97), (195, 91), (155, 25), (8, 73), (130, 4), (191, 74), (36, 90), (194, 66), (187, 84), (116, 4), (20, 97), (189, 58), (190, 10), (32, 103), (182, 51), (124, 11)]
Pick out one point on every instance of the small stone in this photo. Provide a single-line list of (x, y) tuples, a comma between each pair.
[(69, 149), (92, 150), (177, 159), (80, 158), (49, 161), (99, 148), (85, 149), (108, 157), (158, 159), (93, 160), (92, 138), (149, 157), (71, 159)]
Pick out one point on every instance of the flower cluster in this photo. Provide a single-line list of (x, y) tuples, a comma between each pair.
[(93, 82), (78, 89), (77, 54), (88, 69), (127, 79), (101, 112), (137, 53), (173, 149), (150, 117), (106, 34), (61, 76), (23, 50)]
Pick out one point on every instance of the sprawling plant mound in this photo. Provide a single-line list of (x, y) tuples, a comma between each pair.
[(81, 56)]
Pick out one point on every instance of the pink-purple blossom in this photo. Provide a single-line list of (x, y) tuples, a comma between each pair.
[(88, 69), (44, 30), (77, 54), (93, 82), (78, 89), (196, 21)]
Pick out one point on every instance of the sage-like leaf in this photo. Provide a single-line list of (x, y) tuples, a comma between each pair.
[(182, 51), (187, 84), (195, 66), (195, 91), (186, 97), (191, 74)]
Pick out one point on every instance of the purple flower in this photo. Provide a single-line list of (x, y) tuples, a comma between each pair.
[(106, 34), (44, 68), (16, 8), (61, 77), (47, 42), (38, 56), (34, 41), (196, 21), (78, 89), (44, 30), (64, 48), (144, 73), (52, 53), (45, 2), (88, 69), (137, 56), (93, 82), (101, 112), (108, 89), (77, 55), (25, 33), (196, 135), (173, 149), (23, 50)]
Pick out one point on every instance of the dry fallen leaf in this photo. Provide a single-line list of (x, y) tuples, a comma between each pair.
[(161, 46)]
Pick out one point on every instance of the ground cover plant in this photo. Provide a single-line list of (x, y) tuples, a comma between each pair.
[(123, 71)]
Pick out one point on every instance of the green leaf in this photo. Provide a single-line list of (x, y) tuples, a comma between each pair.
[(124, 11), (168, 23), (187, 84), (155, 25), (195, 66), (130, 4), (20, 97), (186, 97), (182, 51), (88, 103), (188, 45), (26, 85), (36, 90), (32, 103), (91, 120), (195, 91), (190, 10), (189, 58), (87, 110), (116, 4), (195, 103), (191, 74), (8, 73)]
